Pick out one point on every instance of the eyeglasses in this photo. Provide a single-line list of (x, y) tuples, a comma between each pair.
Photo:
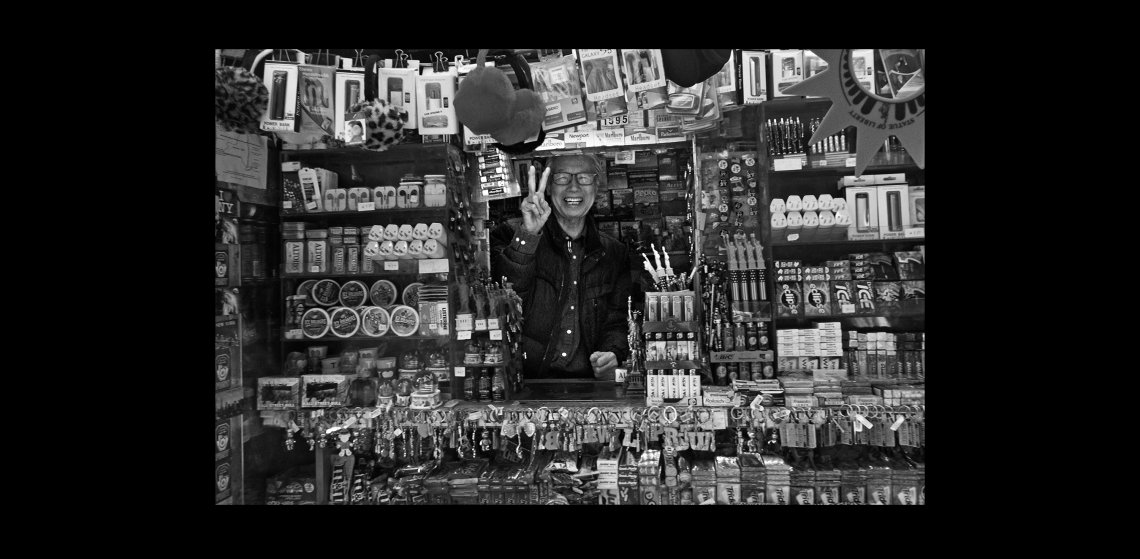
[(584, 179)]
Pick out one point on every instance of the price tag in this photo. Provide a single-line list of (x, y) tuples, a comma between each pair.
[(433, 266), (789, 164), (850, 161), (375, 413), (288, 204), (615, 121), (463, 322), (294, 334), (864, 421), (793, 237), (493, 324), (351, 421), (462, 371), (366, 207), (314, 269), (625, 158), (496, 334), (898, 422), (823, 163), (463, 335), (847, 308), (915, 233), (480, 324), (391, 265)]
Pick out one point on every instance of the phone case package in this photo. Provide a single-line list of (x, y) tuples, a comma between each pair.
[(556, 81), (436, 103), (645, 77), (281, 113), (397, 86)]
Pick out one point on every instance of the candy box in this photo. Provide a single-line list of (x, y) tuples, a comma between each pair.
[(789, 299), (278, 393), (324, 391), (817, 298), (887, 295), (910, 265), (864, 297)]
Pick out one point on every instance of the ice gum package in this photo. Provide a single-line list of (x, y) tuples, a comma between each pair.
[(887, 295)]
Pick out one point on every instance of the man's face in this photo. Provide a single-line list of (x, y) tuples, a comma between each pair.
[(572, 200)]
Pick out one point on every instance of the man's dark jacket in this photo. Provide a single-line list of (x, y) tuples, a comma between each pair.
[(538, 271)]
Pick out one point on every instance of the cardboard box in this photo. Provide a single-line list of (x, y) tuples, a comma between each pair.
[(863, 205), (787, 70), (436, 103), (284, 106), (751, 76), (894, 211)]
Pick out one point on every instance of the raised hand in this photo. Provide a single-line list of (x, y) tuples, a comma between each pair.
[(535, 208)]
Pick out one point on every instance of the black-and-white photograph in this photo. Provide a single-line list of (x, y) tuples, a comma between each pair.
[(704, 292)]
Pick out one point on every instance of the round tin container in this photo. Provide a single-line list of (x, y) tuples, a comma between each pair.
[(411, 295), (344, 322), (405, 320), (315, 323), (374, 321), (326, 292), (383, 293), (353, 294)]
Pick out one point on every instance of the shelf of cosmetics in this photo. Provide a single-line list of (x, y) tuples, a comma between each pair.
[(325, 309), (315, 190), (883, 211), (875, 283), (353, 250), (800, 457)]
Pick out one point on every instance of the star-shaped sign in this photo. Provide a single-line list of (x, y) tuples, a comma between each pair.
[(874, 117)]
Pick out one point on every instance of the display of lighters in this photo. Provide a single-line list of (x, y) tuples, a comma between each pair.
[(786, 137)]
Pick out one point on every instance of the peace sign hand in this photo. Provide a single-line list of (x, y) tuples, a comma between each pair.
[(535, 209)]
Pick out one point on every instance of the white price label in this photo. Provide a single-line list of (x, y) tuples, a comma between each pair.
[(433, 266), (288, 204), (625, 158), (558, 75), (366, 207), (823, 163), (615, 121), (864, 421), (847, 308), (480, 324), (793, 237), (463, 335), (463, 322), (314, 269), (898, 422), (493, 324), (462, 371), (850, 161), (496, 334), (391, 265), (789, 164), (915, 233)]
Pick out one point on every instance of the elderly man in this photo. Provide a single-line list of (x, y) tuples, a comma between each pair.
[(573, 279)]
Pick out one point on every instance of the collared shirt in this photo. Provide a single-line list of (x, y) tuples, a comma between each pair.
[(569, 355)]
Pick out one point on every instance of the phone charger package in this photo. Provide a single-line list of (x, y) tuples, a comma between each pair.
[(436, 103), (787, 70), (281, 112), (397, 86), (751, 76), (894, 211), (349, 91)]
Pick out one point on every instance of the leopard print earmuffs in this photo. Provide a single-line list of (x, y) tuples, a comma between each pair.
[(385, 123), (240, 98)]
